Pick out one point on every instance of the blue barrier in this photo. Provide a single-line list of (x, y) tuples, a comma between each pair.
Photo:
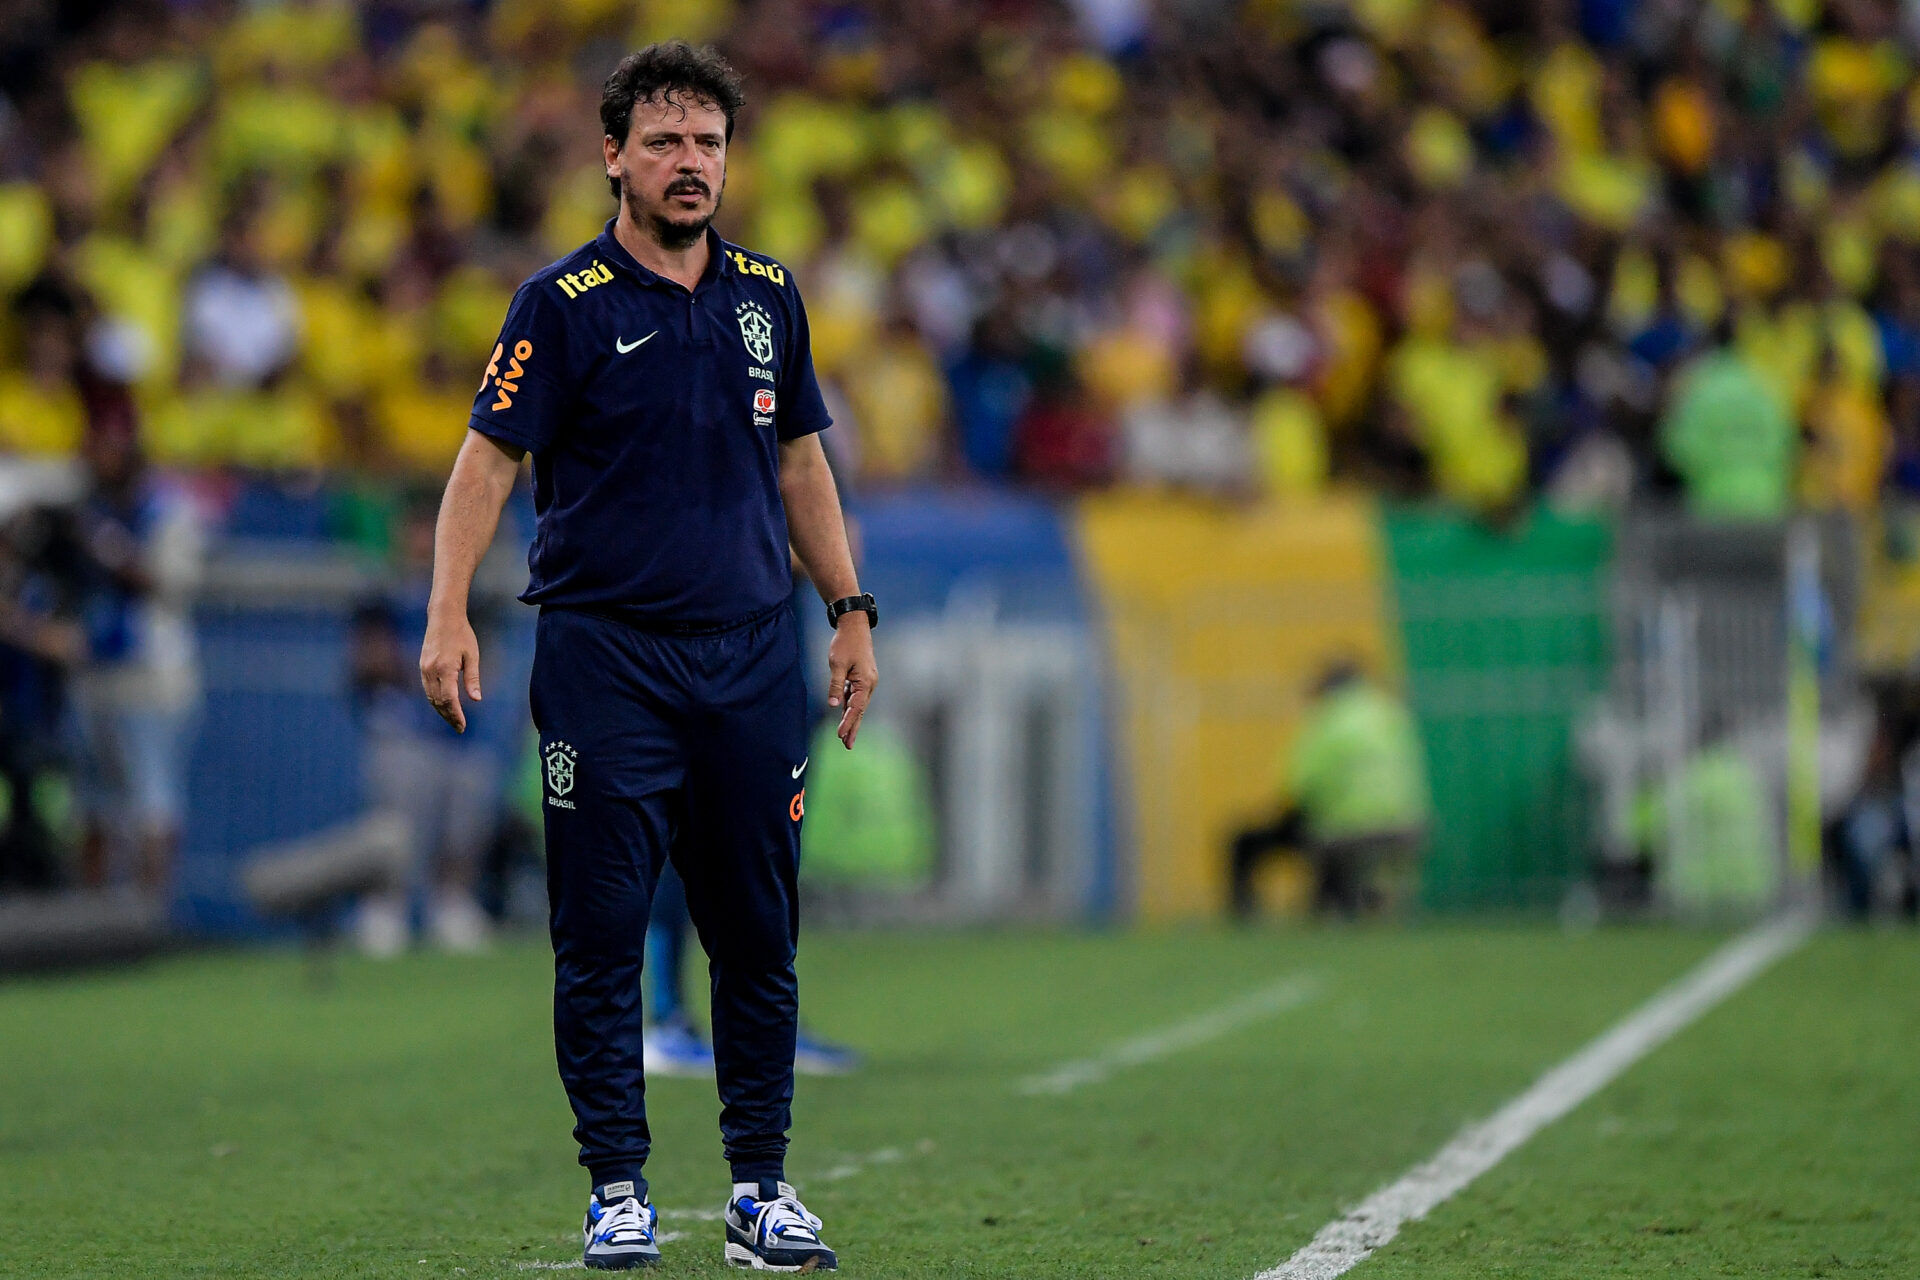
[(278, 752), (928, 550), (277, 755)]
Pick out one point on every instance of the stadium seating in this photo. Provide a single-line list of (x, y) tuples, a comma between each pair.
[(1456, 247)]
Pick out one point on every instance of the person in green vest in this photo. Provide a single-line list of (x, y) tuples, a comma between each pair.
[(869, 822), (1356, 783), (1710, 831), (1730, 439)]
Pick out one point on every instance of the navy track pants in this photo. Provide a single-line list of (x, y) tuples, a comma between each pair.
[(691, 747)]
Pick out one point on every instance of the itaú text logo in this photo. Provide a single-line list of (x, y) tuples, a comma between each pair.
[(575, 283)]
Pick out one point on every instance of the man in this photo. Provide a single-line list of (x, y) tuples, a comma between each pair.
[(674, 1047), (445, 786), (662, 381), (139, 695), (1730, 438), (1358, 787)]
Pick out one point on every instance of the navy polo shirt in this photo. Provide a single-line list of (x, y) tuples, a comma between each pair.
[(654, 417)]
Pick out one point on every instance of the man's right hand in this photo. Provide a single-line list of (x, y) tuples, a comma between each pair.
[(450, 662)]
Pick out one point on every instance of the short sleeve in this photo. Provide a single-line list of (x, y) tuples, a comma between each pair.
[(523, 394), (802, 411)]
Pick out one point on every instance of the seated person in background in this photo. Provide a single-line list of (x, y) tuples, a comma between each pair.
[(1358, 786), (446, 787)]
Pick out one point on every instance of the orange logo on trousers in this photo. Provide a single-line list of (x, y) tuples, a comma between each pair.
[(797, 809)]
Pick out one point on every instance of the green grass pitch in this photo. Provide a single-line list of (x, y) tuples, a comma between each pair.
[(218, 1116)]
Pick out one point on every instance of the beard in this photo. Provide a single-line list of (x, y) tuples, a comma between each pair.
[(670, 231)]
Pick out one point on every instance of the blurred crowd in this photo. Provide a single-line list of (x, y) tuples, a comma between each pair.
[(1483, 249), (100, 684)]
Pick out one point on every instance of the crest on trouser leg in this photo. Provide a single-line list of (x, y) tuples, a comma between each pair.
[(560, 757)]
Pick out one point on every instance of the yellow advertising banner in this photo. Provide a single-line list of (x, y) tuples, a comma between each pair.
[(1219, 618)]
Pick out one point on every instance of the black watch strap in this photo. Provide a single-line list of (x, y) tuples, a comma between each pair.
[(847, 604)]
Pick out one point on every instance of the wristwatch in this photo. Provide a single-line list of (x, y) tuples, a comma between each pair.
[(848, 604)]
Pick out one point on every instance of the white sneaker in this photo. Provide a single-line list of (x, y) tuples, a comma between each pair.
[(768, 1229), (674, 1048), (380, 926), (618, 1233), (455, 922)]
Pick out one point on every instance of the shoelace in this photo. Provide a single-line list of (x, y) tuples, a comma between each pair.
[(786, 1211), (621, 1219)]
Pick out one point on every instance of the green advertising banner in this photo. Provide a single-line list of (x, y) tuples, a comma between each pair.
[(1506, 641)]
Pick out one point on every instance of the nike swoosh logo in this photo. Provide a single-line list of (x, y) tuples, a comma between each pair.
[(803, 767), (624, 347)]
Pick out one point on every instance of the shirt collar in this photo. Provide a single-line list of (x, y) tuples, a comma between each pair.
[(616, 254)]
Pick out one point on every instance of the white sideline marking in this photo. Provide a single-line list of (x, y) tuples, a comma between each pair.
[(1264, 1002), (1345, 1242)]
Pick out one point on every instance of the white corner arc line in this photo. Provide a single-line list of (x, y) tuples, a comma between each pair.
[(1276, 997), (1346, 1242)]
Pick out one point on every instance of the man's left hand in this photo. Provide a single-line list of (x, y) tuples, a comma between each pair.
[(851, 673)]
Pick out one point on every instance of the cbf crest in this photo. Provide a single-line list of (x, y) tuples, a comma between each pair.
[(756, 330), (560, 757)]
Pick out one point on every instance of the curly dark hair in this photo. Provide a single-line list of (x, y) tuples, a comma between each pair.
[(661, 73)]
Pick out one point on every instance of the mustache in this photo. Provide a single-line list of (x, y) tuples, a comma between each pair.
[(682, 186)]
